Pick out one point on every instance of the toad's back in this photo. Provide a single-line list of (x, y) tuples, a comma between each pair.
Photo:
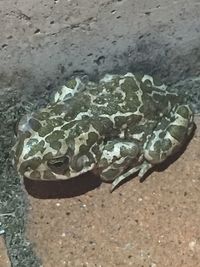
[(116, 103)]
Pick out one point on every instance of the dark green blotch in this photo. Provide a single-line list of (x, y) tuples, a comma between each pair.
[(151, 109), (120, 120), (111, 85), (74, 106), (96, 151), (132, 102), (42, 116), (155, 154), (147, 129), (157, 146), (103, 163), (83, 149), (162, 134), (56, 145), (166, 145), (100, 100), (50, 125), (68, 126), (27, 134), (35, 124), (75, 132), (56, 109), (129, 120), (58, 121), (47, 156), (129, 85), (131, 151), (183, 111), (71, 83), (178, 132), (54, 136), (92, 138), (102, 125), (35, 147), (43, 131)]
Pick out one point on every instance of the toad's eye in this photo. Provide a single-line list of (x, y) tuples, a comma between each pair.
[(59, 165)]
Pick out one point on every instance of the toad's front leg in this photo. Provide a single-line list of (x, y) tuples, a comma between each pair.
[(117, 157)]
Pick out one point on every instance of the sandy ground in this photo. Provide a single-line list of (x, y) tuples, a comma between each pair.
[(149, 224)]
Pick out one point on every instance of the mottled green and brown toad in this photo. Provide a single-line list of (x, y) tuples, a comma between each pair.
[(122, 125)]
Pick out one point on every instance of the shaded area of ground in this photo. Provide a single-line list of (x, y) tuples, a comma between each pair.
[(154, 223)]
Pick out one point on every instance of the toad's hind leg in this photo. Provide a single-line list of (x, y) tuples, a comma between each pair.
[(165, 140), (169, 135)]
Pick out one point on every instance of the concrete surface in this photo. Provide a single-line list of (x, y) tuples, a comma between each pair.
[(43, 42)]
